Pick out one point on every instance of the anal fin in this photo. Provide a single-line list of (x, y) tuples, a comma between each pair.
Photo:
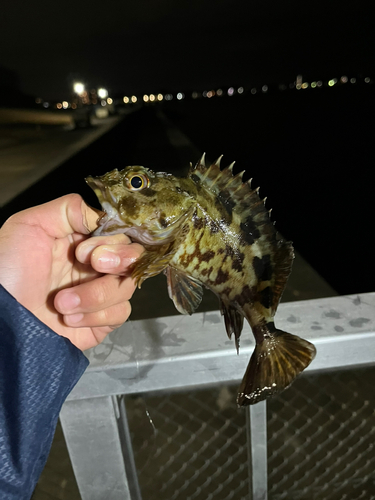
[(233, 322), (185, 291), (273, 366)]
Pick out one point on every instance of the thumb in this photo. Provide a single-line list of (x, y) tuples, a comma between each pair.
[(62, 216)]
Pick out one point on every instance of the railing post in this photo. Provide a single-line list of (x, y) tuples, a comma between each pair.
[(256, 423), (93, 439)]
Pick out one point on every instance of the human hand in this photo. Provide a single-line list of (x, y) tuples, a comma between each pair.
[(78, 286)]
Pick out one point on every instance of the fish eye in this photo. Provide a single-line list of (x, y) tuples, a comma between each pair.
[(137, 182)]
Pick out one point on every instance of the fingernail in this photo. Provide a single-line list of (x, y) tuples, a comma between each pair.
[(74, 318), (69, 301), (109, 259)]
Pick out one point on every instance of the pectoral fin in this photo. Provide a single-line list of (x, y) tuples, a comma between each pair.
[(185, 291), (152, 262)]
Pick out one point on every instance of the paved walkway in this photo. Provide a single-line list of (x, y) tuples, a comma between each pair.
[(28, 153)]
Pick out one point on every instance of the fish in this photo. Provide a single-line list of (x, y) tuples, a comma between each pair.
[(211, 229)]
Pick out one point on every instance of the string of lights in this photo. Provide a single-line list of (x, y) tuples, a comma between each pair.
[(100, 97)]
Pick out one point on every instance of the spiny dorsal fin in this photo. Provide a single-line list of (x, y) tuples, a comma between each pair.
[(236, 194)]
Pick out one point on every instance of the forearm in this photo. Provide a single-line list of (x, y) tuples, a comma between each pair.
[(38, 369)]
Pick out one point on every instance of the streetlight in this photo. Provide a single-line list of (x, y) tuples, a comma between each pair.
[(102, 93), (79, 88)]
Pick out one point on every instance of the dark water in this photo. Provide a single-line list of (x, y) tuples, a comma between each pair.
[(310, 151)]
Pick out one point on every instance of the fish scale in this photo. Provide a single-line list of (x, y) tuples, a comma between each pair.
[(211, 230)]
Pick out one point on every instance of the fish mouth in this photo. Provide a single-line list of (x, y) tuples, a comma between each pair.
[(108, 203)]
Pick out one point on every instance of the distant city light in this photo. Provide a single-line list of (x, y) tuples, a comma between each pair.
[(319, 83), (332, 82), (126, 99), (367, 79), (74, 105), (168, 97), (265, 88), (79, 88), (160, 97), (313, 85), (59, 105), (45, 104), (103, 102), (240, 90), (353, 80), (210, 93), (305, 85), (133, 99), (219, 92), (110, 100), (180, 96), (253, 90), (152, 97), (65, 104), (145, 98), (102, 93), (230, 91), (344, 79), (195, 95)]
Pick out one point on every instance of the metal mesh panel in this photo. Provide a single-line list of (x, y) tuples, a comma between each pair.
[(198, 450), (321, 438), (320, 442)]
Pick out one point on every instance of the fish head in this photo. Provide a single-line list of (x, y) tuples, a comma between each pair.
[(145, 205)]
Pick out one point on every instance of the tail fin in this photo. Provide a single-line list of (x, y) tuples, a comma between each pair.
[(273, 366)]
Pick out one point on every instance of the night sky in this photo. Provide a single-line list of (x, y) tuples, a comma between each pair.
[(156, 45)]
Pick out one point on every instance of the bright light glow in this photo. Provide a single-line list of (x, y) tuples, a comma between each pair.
[(219, 92), (210, 93), (195, 95), (126, 99), (145, 98), (152, 97), (45, 104), (332, 82), (65, 104), (168, 97), (344, 79), (180, 96), (79, 88), (133, 99), (353, 80), (313, 85), (230, 91), (59, 105), (103, 102), (110, 100), (305, 85), (205, 93), (319, 83), (160, 97), (74, 105), (367, 79), (253, 90), (265, 88), (103, 93), (240, 90)]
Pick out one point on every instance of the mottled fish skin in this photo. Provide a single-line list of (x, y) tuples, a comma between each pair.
[(211, 229)]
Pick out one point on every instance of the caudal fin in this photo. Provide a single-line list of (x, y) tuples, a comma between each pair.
[(273, 366)]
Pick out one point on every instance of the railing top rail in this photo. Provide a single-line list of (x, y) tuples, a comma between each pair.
[(181, 351)]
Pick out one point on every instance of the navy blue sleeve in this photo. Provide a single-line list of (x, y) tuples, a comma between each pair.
[(38, 369)]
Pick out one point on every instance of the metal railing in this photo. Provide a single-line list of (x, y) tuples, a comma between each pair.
[(183, 437)]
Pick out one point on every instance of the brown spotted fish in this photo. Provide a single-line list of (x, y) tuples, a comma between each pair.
[(211, 229)]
